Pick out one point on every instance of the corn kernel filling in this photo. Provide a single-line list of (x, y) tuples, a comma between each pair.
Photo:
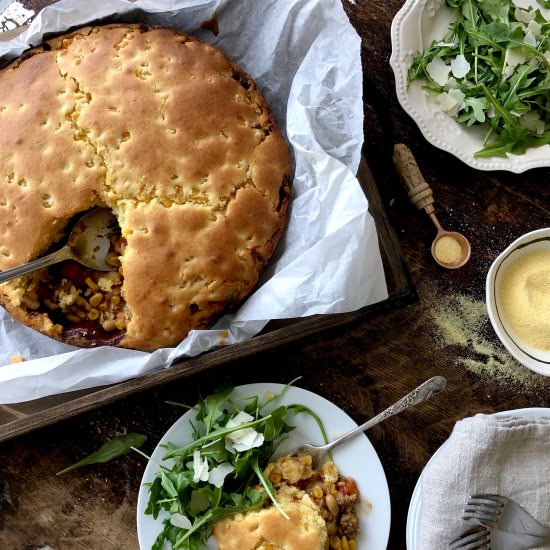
[(74, 295), (335, 496)]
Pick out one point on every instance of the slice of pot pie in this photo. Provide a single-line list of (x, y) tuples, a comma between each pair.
[(320, 508)]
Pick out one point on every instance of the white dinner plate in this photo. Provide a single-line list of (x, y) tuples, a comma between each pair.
[(413, 29), (356, 458), (415, 505)]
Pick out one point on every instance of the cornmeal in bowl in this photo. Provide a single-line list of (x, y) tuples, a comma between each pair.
[(178, 142)]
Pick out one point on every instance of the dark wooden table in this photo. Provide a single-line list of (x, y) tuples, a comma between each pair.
[(362, 367)]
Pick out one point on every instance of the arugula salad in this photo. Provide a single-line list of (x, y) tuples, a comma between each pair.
[(220, 472), (492, 68)]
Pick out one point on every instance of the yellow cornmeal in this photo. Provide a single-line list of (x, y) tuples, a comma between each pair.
[(524, 298), (460, 323), (447, 250)]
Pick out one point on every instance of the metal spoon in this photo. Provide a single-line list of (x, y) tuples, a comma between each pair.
[(88, 244), (426, 390), (452, 252)]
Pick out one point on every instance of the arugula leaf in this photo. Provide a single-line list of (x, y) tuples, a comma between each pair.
[(113, 448), (218, 433), (474, 110), (496, 10), (201, 499), (210, 409)]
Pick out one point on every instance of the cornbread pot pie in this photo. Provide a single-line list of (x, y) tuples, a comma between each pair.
[(178, 142), (320, 506)]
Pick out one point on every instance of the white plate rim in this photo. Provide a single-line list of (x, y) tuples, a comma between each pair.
[(375, 525), (416, 497), (438, 128)]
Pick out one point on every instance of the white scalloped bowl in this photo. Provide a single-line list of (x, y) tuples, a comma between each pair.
[(535, 359), (413, 28)]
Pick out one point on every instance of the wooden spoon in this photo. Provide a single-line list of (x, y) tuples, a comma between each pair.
[(450, 249)]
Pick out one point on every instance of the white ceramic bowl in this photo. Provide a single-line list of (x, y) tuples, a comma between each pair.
[(414, 27), (535, 359)]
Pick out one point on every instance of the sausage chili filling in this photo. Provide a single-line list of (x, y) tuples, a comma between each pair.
[(335, 496)]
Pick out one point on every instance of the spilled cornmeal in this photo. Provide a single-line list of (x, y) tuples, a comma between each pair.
[(524, 298), (461, 323)]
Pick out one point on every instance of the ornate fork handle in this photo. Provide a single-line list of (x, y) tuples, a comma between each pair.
[(426, 390)]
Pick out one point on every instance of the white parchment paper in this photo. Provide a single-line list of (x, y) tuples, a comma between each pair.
[(305, 57)]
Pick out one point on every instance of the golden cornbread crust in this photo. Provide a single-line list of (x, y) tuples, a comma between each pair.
[(268, 529), (172, 136)]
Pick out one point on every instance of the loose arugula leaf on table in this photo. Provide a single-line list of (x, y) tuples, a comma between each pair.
[(507, 84), (113, 448), (194, 502)]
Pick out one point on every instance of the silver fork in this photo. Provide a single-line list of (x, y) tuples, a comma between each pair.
[(471, 539), (503, 513), (426, 390), (482, 538)]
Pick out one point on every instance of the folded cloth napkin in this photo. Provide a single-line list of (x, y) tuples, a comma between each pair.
[(502, 454)]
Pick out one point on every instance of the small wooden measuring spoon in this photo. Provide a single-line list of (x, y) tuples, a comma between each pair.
[(450, 249)]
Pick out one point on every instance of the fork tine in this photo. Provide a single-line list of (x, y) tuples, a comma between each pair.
[(482, 513), (477, 540), (489, 508), (477, 509), (487, 499), (480, 521), (480, 516), (498, 499)]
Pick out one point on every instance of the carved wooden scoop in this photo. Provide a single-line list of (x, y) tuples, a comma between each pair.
[(449, 248)]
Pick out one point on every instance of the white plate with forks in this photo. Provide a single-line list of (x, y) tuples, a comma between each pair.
[(413, 517)]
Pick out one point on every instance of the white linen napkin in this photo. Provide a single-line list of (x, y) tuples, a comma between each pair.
[(498, 453)]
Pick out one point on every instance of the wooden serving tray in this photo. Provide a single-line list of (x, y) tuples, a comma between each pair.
[(17, 419)]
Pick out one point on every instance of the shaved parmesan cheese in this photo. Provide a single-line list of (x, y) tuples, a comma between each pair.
[(217, 475), (460, 66), (525, 16), (451, 102), (240, 418), (532, 121), (200, 467), (512, 58), (438, 70), (178, 520), (530, 39), (244, 439), (451, 83), (534, 27)]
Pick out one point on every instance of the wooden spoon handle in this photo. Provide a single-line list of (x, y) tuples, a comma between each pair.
[(419, 191)]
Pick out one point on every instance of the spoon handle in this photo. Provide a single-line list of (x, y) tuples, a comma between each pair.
[(426, 390), (64, 253), (418, 189)]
